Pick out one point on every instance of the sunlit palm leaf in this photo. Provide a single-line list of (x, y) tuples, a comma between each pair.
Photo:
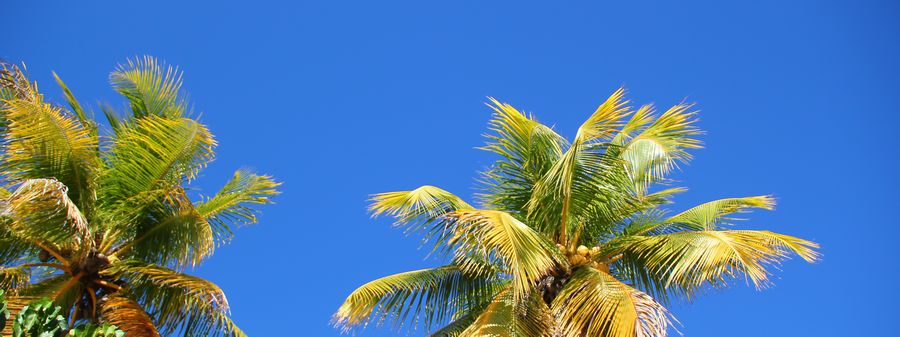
[(43, 214), (232, 205), (522, 252), (76, 106), (43, 141), (594, 303), (151, 159), (650, 155), (128, 315), (574, 184), (426, 297), (509, 316), (527, 150), (171, 233), (711, 214), (688, 260), (179, 302), (151, 86)]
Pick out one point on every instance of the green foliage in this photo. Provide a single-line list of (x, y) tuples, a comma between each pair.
[(40, 318), (4, 310), (90, 330)]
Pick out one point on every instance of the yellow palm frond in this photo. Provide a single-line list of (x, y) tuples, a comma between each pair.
[(418, 208), (650, 155), (178, 302), (523, 253), (595, 303), (43, 214), (424, 296), (143, 273), (710, 214), (43, 141), (510, 316), (688, 260), (128, 315)]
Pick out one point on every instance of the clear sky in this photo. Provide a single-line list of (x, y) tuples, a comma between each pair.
[(342, 99)]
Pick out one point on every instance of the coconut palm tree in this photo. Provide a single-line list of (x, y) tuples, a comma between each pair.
[(569, 238), (101, 223)]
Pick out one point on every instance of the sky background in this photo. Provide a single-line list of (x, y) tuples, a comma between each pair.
[(342, 99)]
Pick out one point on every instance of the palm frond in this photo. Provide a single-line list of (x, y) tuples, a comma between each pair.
[(179, 302), (12, 278), (43, 141), (456, 327), (510, 316), (232, 204), (650, 155), (171, 233), (43, 214), (425, 297), (150, 159), (75, 105), (595, 303), (415, 210), (574, 185), (151, 86), (128, 315), (709, 215), (524, 254), (527, 150), (685, 261)]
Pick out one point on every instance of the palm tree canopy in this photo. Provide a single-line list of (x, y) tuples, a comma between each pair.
[(99, 220), (569, 238)]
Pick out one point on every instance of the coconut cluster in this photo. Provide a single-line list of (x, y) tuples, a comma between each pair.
[(581, 255)]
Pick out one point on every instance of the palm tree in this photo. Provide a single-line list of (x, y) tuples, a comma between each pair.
[(570, 238), (101, 222)]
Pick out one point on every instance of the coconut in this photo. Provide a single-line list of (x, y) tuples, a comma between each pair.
[(577, 259), (583, 251)]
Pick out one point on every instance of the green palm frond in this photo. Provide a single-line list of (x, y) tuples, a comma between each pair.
[(171, 233), (232, 205), (595, 303), (650, 155), (75, 105), (456, 327), (44, 141), (426, 297), (150, 160), (421, 209), (179, 302), (574, 183), (710, 215), (151, 86), (510, 316), (527, 150), (524, 254), (686, 261), (42, 213)]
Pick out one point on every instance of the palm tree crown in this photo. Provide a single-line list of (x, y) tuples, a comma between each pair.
[(101, 223), (570, 238)]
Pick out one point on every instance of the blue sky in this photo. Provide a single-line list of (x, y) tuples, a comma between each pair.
[(341, 99)]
